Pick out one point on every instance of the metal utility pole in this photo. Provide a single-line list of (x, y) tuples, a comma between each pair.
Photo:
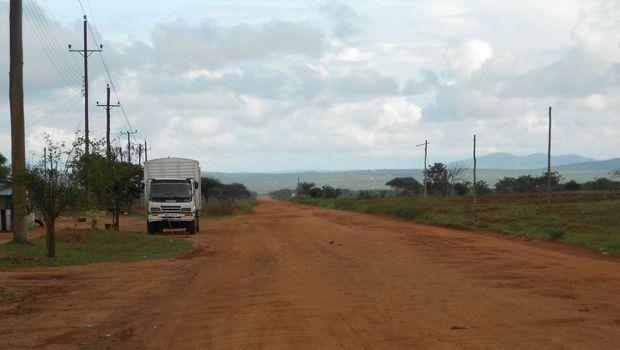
[(85, 52), (108, 107), (425, 144), (549, 161), (475, 166), (129, 133), (18, 145)]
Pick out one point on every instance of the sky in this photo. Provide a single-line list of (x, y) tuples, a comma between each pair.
[(261, 86)]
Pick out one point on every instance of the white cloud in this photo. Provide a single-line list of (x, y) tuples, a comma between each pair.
[(468, 57)]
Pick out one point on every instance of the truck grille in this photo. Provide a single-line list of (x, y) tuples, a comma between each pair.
[(171, 208)]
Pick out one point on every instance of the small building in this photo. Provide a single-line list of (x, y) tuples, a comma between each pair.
[(6, 195)]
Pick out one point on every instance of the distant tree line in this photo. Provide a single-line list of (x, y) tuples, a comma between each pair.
[(215, 191), (447, 180)]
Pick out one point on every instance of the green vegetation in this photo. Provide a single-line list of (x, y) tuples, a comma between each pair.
[(76, 247), (4, 169), (214, 190), (227, 208), (589, 219)]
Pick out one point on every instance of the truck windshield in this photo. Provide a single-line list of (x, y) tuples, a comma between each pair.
[(170, 189)]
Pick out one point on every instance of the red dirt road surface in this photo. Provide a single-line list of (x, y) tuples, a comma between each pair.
[(296, 277)]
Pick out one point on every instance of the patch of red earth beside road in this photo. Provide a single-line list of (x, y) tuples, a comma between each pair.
[(292, 276)]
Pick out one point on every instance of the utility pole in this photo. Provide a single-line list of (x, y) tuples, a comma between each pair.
[(129, 133), (475, 166), (425, 144), (146, 154), (139, 154), (549, 161), (85, 52), (18, 145), (108, 107)]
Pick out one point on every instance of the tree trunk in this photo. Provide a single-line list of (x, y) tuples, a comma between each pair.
[(50, 238), (116, 219)]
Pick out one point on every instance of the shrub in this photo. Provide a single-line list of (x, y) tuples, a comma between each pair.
[(556, 235), (572, 185)]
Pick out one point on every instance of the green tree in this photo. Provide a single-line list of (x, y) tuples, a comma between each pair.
[(4, 168), (113, 185), (304, 188), (437, 177), (572, 185), (461, 188), (482, 188), (330, 192), (214, 190), (407, 186), (209, 187), (315, 192), (51, 189)]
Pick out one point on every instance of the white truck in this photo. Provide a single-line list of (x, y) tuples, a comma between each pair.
[(172, 191)]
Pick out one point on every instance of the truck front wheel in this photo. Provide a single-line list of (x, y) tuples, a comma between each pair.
[(191, 227), (150, 228)]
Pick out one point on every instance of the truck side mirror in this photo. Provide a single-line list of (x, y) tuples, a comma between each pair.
[(141, 186), (196, 185)]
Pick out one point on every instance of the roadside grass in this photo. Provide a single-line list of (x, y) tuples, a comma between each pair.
[(227, 208), (586, 219), (86, 247)]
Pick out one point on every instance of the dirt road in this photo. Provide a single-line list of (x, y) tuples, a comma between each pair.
[(291, 277)]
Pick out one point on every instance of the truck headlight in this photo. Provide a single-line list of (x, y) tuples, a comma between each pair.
[(155, 210)]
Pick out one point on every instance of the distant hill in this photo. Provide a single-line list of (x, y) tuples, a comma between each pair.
[(597, 165), (531, 161)]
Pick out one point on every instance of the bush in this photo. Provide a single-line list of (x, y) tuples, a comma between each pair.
[(556, 235), (364, 194), (482, 188), (460, 189), (315, 192), (572, 185)]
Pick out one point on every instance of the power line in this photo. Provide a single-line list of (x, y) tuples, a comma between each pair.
[(62, 33), (36, 10), (57, 109), (47, 50)]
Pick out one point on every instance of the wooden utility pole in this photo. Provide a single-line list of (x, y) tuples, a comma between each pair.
[(85, 52), (129, 133), (139, 154), (146, 154), (475, 166), (549, 161), (108, 107), (18, 145), (425, 144)]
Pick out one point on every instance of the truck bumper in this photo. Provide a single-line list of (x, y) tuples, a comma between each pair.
[(170, 218)]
